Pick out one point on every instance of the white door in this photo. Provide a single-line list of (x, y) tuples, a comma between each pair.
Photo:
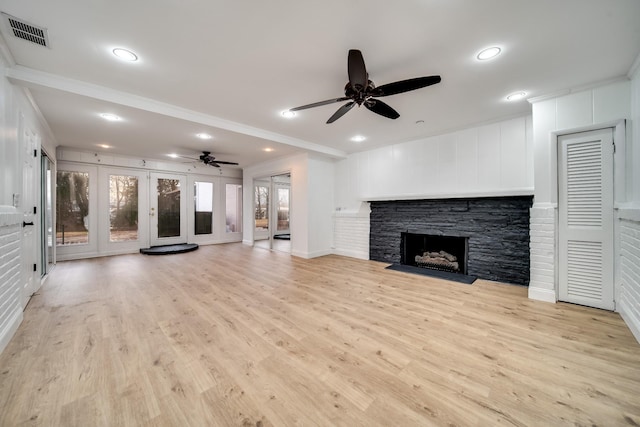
[(585, 195), (28, 253), (167, 209)]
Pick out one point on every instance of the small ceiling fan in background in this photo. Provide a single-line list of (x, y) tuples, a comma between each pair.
[(360, 90), (210, 160)]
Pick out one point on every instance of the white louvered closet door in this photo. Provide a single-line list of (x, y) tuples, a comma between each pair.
[(585, 196)]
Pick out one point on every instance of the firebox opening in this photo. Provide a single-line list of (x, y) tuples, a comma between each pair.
[(443, 253)]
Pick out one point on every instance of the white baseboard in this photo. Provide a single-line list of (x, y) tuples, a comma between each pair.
[(352, 254), (631, 321), (540, 294), (309, 255), (11, 328)]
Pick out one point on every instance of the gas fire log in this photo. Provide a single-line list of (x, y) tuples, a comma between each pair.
[(441, 258)]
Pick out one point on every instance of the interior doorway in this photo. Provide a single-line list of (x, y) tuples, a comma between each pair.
[(272, 212)]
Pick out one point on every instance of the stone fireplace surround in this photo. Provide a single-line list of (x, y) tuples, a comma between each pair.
[(497, 229)]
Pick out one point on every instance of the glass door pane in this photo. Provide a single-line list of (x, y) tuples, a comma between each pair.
[(123, 208), (47, 215), (283, 209), (168, 207), (233, 208), (203, 200), (72, 208), (167, 210), (261, 203)]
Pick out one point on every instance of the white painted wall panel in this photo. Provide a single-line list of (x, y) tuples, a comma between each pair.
[(611, 102), (575, 110), (489, 156), (544, 122), (446, 178), (467, 165), (513, 142)]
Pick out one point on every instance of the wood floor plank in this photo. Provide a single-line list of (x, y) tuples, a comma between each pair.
[(230, 335)]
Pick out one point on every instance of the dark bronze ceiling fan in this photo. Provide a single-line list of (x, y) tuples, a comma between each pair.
[(208, 159), (360, 90)]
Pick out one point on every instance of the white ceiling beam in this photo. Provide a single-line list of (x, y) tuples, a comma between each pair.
[(24, 76)]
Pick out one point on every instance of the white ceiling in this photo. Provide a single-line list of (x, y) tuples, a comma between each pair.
[(230, 67)]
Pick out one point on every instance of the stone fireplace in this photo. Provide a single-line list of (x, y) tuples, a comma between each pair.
[(494, 232)]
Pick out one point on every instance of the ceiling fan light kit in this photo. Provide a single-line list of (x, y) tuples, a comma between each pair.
[(359, 90)]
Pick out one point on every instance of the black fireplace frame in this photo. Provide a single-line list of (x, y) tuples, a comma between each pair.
[(454, 245)]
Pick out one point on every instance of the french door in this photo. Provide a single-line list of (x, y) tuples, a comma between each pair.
[(28, 250), (167, 209)]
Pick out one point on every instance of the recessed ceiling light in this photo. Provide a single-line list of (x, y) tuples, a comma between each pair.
[(288, 114), (419, 122), (358, 138), (516, 96), (173, 155), (203, 135), (103, 145), (268, 149), (110, 117), (488, 53), (125, 54)]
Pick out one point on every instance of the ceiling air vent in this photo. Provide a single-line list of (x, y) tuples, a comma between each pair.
[(26, 31)]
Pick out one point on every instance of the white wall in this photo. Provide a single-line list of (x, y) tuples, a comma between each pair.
[(311, 202), (320, 188), (604, 105), (629, 214), (490, 160), (16, 115)]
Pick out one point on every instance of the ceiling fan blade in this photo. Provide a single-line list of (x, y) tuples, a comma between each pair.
[(357, 71), (405, 86), (318, 104), (225, 163), (381, 108), (214, 164), (341, 111)]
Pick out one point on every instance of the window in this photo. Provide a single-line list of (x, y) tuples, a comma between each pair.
[(203, 199), (123, 208), (233, 199), (72, 208)]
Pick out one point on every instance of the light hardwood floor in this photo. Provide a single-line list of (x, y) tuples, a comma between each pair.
[(229, 335)]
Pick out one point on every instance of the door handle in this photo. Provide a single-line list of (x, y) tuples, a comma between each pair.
[(24, 223)]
